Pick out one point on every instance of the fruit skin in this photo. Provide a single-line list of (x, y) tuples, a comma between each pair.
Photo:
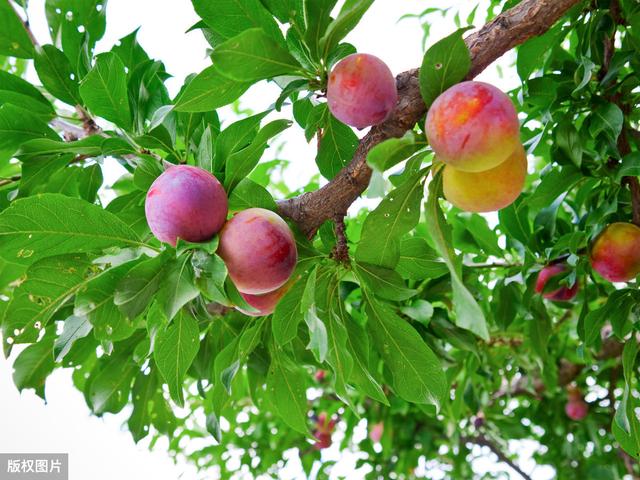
[(375, 434), (473, 126), (361, 90), (265, 304), (562, 294), (615, 253), (489, 190), (259, 250), (576, 409), (186, 202)]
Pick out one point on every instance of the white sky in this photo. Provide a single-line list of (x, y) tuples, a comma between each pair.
[(101, 449)]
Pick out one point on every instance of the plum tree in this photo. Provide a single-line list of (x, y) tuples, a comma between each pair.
[(259, 250), (562, 294), (409, 316), (361, 90), (615, 253), (488, 190), (266, 303), (185, 202), (473, 126)]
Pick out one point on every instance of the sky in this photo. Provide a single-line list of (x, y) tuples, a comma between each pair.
[(100, 448)]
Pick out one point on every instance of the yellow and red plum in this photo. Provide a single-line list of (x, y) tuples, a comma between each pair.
[(259, 250), (361, 90), (266, 303), (615, 253), (473, 126), (185, 202), (489, 190), (562, 294)]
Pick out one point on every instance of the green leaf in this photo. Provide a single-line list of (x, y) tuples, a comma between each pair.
[(77, 26), (48, 284), (110, 387), (209, 90), (134, 292), (539, 328), (210, 275), (93, 146), (14, 40), (18, 126), (419, 261), (630, 166), (349, 16), (568, 140), (96, 302), (228, 18), (288, 314), (416, 372), (317, 17), (13, 83), (625, 425), (57, 75), (358, 346), (286, 390), (53, 224), (446, 63), (552, 185), (420, 311), (235, 137), (239, 164), (34, 364), (386, 283), (175, 349), (384, 227), (204, 155), (469, 315), (392, 151), (337, 147), (178, 286), (251, 56), (609, 119), (147, 170), (104, 90), (144, 389), (74, 329), (332, 311), (249, 194)]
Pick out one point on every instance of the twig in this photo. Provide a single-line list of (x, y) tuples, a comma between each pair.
[(341, 250), (10, 180), (482, 441), (25, 24), (89, 124)]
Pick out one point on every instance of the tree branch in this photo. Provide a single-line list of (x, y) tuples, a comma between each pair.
[(25, 24), (527, 19), (483, 441)]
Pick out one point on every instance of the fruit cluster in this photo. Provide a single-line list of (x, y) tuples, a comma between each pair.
[(256, 245), (473, 129)]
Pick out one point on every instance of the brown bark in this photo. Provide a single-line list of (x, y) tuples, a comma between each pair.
[(507, 30)]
